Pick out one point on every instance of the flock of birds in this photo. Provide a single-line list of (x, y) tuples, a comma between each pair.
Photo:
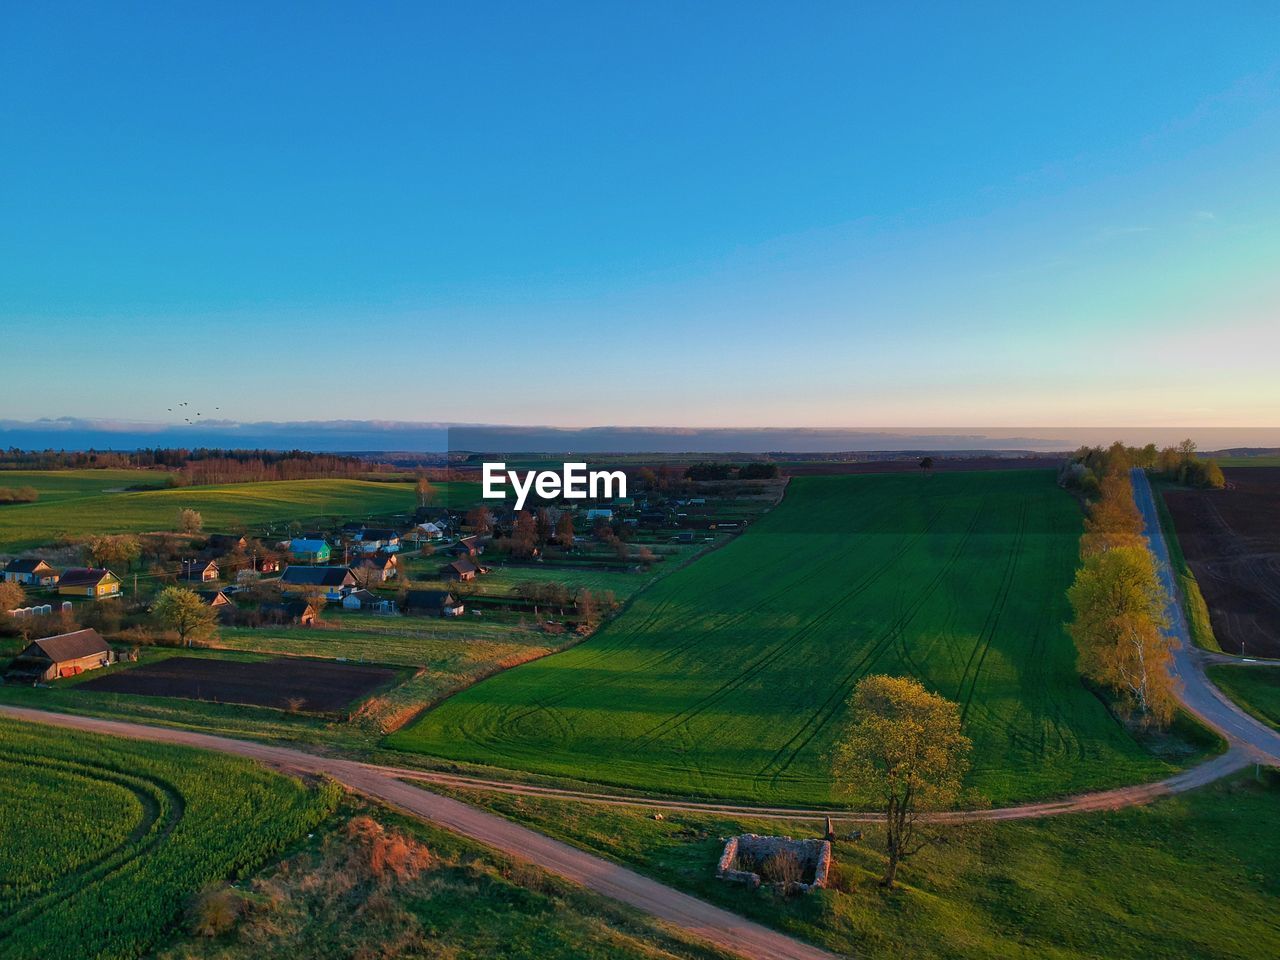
[(186, 403)]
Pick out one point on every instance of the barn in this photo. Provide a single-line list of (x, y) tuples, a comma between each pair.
[(440, 603), (62, 656), (461, 569)]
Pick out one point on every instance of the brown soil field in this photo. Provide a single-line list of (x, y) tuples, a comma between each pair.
[(941, 464), (1231, 539), (284, 682)]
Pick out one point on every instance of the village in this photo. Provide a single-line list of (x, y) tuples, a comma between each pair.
[(557, 570)]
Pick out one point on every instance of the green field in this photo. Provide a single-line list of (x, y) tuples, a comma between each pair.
[(333, 901), (104, 839), (75, 504), (729, 677), (1197, 875), (1256, 688)]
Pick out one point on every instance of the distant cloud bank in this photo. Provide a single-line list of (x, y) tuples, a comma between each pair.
[(367, 436)]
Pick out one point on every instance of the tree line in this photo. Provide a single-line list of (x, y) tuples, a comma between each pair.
[(1117, 601)]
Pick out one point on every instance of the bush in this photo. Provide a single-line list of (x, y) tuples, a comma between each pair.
[(214, 911), (782, 867), (19, 495)]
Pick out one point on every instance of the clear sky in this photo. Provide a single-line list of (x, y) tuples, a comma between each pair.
[(691, 214)]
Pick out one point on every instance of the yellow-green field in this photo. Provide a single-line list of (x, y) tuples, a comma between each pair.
[(75, 504)]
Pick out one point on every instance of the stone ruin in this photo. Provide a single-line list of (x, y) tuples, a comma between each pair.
[(756, 860)]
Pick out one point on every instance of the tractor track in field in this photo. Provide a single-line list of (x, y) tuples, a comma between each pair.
[(773, 653), (896, 630)]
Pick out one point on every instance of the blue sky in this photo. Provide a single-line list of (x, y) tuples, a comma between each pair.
[(802, 214)]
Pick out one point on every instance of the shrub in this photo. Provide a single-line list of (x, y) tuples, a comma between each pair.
[(781, 867)]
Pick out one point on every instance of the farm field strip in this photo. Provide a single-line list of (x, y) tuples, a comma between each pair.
[(729, 678), (81, 503), (109, 837)]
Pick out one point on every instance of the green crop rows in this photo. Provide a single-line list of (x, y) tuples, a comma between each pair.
[(729, 678), (105, 839)]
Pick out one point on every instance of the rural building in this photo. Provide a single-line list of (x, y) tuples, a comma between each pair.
[(599, 513), (309, 550), (467, 547), (221, 603), (200, 571), (461, 569), (291, 611), (375, 569), (268, 565), (31, 571), (424, 532), (224, 543), (94, 582), (368, 602), (379, 540), (440, 603), (331, 579), (65, 655)]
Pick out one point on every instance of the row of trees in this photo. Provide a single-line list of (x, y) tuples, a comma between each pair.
[(200, 465), (1083, 472), (1118, 602)]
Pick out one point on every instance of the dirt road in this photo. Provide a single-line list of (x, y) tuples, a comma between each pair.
[(1199, 695), (719, 927)]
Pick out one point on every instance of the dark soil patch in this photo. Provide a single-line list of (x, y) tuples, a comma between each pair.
[(283, 682), (1231, 539), (941, 464)]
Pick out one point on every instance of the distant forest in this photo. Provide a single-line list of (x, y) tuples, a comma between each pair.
[(200, 466)]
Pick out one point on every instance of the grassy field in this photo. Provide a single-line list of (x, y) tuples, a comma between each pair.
[(79, 503), (1191, 876), (1257, 689), (104, 839), (338, 899), (729, 677)]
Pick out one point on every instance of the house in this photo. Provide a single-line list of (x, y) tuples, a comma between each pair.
[(467, 547), (368, 602), (93, 582), (599, 513), (222, 604), (425, 531), (378, 568), (291, 611), (268, 565), (440, 603), (309, 550), (200, 571), (379, 540), (224, 543), (62, 656), (330, 579), (460, 569), (31, 571)]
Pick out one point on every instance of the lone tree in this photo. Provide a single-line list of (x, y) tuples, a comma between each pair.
[(190, 521), (113, 550), (426, 492), (564, 530), (182, 611), (904, 747)]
